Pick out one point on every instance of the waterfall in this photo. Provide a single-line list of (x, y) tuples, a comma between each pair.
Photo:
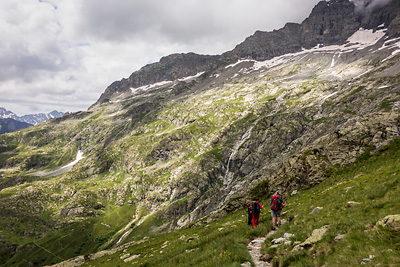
[(228, 177), (247, 134)]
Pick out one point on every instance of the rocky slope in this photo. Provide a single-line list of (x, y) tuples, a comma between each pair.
[(194, 137)]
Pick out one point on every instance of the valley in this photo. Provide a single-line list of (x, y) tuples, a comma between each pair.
[(159, 169)]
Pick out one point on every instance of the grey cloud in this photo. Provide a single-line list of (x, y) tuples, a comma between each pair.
[(184, 21), (366, 7), (59, 54), (28, 67)]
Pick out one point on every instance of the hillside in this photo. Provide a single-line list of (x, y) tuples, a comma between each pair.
[(351, 205), (11, 125), (191, 139)]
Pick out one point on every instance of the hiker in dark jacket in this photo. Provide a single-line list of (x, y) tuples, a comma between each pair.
[(250, 215), (277, 205), (256, 209)]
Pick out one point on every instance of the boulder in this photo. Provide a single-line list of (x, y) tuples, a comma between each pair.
[(317, 209), (339, 237), (391, 222), (353, 203), (316, 236)]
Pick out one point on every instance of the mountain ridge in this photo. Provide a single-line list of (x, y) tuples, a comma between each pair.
[(330, 23), (31, 119)]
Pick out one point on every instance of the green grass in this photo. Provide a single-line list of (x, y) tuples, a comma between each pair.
[(75, 239), (221, 243), (373, 180)]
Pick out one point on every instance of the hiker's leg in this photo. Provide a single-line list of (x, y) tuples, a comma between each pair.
[(253, 220), (279, 217), (257, 218), (273, 218)]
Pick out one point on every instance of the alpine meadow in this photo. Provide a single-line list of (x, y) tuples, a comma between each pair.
[(161, 169)]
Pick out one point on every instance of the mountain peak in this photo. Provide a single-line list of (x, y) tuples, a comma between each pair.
[(31, 119), (169, 68), (330, 22)]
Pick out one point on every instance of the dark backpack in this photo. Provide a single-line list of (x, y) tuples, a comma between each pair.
[(256, 208), (276, 203)]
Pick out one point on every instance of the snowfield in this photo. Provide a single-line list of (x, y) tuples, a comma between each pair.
[(63, 169)]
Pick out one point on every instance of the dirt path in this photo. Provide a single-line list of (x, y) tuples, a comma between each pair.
[(254, 248)]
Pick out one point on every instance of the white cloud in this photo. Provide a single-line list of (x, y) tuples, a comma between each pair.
[(62, 54)]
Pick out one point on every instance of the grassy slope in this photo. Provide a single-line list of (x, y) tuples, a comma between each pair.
[(87, 237), (373, 180)]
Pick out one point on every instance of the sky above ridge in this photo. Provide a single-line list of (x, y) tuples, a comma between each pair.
[(62, 54)]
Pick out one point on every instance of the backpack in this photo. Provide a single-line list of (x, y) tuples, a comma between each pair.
[(256, 208), (276, 203)]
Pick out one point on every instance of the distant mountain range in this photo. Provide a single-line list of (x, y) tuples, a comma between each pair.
[(9, 121), (11, 125)]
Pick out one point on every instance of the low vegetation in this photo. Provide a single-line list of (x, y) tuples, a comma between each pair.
[(373, 182)]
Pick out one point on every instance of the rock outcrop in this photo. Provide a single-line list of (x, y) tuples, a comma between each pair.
[(330, 22), (390, 222), (316, 236)]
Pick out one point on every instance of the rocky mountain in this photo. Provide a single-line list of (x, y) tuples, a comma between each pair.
[(330, 23), (11, 125), (170, 68), (191, 138), (31, 119)]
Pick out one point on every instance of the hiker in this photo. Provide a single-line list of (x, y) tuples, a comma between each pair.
[(276, 209), (250, 214), (256, 209)]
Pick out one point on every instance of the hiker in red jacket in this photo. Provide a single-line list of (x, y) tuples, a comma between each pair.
[(256, 209), (276, 209)]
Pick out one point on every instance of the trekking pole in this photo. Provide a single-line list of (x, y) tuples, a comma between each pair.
[(287, 210)]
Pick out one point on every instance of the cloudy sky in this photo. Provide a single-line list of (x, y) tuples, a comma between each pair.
[(62, 54)]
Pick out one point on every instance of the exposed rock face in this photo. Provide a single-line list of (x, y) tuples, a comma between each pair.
[(170, 68), (330, 22)]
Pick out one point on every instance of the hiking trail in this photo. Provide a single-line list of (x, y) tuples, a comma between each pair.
[(254, 248)]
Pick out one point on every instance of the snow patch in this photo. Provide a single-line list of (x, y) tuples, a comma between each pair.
[(237, 63), (79, 156), (366, 37), (63, 169), (191, 77), (162, 83), (150, 86), (359, 40)]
